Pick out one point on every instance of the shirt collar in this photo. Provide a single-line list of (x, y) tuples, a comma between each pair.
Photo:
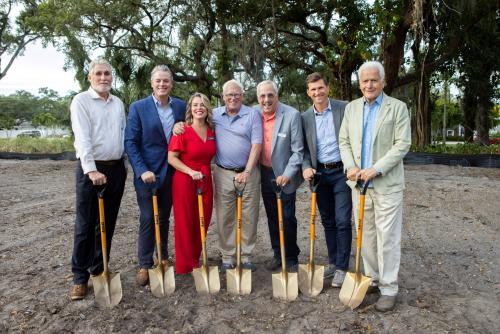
[(329, 108), (158, 103), (242, 111), (96, 96), (378, 100)]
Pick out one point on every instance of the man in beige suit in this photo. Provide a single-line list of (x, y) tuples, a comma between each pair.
[(374, 137)]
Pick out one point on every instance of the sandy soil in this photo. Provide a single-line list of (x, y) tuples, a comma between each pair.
[(449, 277)]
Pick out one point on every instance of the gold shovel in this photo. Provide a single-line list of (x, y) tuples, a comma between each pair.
[(161, 277), (284, 283), (206, 279), (239, 280), (311, 275), (107, 286), (355, 285)]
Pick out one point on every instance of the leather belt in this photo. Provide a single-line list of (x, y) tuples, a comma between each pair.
[(330, 165), (108, 162), (236, 170)]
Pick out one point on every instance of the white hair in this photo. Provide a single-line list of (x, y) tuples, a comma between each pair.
[(267, 82), (99, 61), (231, 82), (162, 68), (373, 65)]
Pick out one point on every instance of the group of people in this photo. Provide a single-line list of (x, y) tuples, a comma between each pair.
[(170, 146)]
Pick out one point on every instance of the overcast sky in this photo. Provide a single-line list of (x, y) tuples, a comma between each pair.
[(37, 68)]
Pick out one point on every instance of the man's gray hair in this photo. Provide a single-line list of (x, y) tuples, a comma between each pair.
[(99, 61), (267, 82), (162, 68), (231, 82), (373, 65)]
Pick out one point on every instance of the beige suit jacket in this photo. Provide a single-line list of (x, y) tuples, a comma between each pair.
[(391, 142)]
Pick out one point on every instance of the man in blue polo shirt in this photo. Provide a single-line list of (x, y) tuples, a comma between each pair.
[(238, 131)]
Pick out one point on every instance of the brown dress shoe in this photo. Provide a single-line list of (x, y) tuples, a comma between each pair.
[(385, 303), (78, 291), (143, 277)]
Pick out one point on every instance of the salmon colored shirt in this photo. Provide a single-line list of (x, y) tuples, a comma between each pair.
[(267, 138)]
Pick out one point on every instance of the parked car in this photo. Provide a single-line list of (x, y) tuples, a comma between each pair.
[(30, 133)]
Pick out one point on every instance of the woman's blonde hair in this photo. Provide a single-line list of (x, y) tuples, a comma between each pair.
[(206, 103)]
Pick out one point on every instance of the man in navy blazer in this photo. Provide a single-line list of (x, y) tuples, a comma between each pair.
[(281, 159), (148, 132)]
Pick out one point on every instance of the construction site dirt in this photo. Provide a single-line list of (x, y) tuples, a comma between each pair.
[(449, 279)]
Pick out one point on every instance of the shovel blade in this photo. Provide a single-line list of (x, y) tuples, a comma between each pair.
[(239, 282), (354, 289), (285, 287), (206, 283), (311, 279), (107, 290), (161, 280)]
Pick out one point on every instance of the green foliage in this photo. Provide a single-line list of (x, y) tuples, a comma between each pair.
[(36, 145), (47, 109), (466, 148), (7, 122)]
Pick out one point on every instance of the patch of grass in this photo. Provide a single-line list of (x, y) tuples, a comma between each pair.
[(36, 145), (465, 148)]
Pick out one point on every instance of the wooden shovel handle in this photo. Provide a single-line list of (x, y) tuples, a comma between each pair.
[(157, 225)]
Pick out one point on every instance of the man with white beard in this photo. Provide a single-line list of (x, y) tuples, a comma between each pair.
[(98, 122)]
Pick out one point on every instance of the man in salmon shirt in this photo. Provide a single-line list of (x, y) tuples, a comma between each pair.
[(281, 159)]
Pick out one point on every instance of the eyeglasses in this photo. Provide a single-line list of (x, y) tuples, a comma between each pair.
[(233, 95)]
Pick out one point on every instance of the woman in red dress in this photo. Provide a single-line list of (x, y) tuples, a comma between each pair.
[(190, 154)]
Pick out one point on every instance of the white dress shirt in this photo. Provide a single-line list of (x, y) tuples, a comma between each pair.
[(99, 128)]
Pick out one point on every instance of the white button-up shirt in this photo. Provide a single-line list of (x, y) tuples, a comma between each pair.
[(99, 128)]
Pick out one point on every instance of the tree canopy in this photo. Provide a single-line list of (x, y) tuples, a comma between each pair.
[(205, 43)]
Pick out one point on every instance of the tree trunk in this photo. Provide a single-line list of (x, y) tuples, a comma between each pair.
[(421, 130), (483, 120), (469, 106)]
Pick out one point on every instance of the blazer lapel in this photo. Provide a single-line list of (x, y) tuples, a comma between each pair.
[(382, 113), (336, 118), (277, 126), (155, 118)]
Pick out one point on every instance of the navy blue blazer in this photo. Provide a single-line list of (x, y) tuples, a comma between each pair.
[(145, 141)]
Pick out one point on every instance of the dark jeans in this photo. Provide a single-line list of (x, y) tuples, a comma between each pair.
[(289, 221), (147, 241), (335, 207), (87, 253)]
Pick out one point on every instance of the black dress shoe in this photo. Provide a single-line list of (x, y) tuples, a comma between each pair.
[(274, 264)]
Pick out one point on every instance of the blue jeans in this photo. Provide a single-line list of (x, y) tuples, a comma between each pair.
[(335, 207), (289, 221), (87, 251), (147, 241)]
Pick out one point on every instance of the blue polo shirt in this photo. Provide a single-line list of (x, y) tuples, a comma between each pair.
[(235, 135)]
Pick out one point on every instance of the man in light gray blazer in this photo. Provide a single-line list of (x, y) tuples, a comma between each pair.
[(281, 159), (374, 138), (321, 124)]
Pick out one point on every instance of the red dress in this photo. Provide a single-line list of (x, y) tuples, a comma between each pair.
[(197, 155)]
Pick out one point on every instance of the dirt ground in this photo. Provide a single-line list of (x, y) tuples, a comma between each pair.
[(449, 277)]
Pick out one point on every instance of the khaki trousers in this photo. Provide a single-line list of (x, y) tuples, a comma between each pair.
[(225, 209), (381, 244)]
